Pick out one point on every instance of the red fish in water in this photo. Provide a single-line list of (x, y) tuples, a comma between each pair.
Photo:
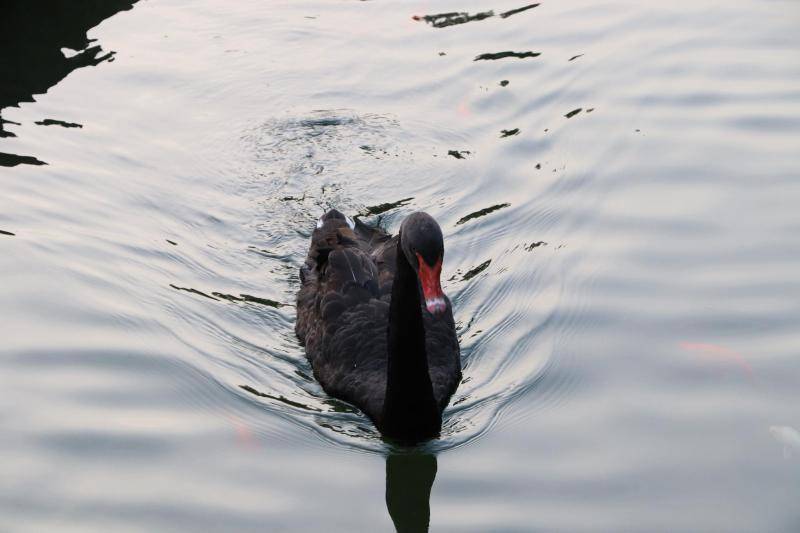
[(244, 436), (720, 354)]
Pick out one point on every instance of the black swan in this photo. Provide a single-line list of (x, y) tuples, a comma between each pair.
[(377, 328)]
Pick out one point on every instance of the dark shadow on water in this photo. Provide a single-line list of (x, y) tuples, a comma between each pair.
[(281, 399), (12, 160), (32, 34), (443, 20), (409, 479), (477, 270), (229, 297), (383, 208), (459, 154), (54, 122), (502, 55), (482, 212)]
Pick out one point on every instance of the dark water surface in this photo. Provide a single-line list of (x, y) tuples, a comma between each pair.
[(619, 188)]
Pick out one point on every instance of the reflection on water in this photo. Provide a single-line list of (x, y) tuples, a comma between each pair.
[(383, 208), (482, 212), (442, 20), (409, 479), (32, 57), (62, 123), (491, 56), (12, 160)]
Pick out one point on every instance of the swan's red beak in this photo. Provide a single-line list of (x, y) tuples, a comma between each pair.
[(431, 286)]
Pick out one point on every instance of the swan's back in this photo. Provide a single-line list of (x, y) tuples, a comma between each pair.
[(343, 313)]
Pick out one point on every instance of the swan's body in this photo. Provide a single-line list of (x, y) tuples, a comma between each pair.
[(377, 329)]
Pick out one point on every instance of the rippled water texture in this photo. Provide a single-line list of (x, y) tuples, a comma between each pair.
[(618, 184)]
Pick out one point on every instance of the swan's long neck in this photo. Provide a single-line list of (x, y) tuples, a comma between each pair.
[(410, 411)]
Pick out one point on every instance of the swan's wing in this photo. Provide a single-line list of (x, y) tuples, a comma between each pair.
[(352, 363), (340, 318), (385, 258), (338, 274)]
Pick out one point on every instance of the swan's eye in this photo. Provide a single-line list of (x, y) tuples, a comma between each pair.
[(350, 222)]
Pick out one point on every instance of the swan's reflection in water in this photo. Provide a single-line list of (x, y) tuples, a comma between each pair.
[(409, 478)]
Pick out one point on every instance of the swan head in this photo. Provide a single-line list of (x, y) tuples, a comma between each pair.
[(423, 246)]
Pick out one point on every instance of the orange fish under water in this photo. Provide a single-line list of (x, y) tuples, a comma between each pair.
[(244, 436), (720, 354)]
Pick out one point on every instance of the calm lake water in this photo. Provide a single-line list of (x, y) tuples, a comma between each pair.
[(620, 201)]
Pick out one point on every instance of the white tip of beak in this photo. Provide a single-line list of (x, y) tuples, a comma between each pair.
[(436, 306)]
